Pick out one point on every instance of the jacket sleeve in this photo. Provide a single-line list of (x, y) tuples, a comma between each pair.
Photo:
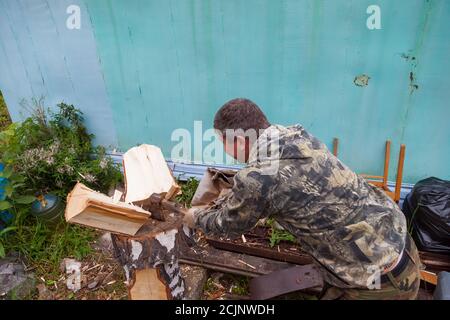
[(239, 210)]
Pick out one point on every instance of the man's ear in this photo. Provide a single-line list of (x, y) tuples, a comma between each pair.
[(241, 142)]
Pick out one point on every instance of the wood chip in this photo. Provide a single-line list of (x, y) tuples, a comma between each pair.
[(91, 268), (243, 239), (248, 265)]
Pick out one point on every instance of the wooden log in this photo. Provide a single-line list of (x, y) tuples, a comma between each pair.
[(151, 259)]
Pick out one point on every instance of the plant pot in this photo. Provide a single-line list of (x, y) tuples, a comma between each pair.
[(48, 209)]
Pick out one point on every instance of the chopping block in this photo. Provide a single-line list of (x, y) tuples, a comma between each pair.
[(150, 258)]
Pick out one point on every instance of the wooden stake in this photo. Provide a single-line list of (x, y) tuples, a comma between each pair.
[(335, 146), (398, 182), (387, 155)]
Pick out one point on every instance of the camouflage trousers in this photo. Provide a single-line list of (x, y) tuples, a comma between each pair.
[(401, 285)]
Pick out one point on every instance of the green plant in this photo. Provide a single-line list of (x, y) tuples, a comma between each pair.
[(44, 246), (188, 189), (5, 120), (277, 235), (48, 153), (280, 235), (240, 286), (13, 200), (53, 150)]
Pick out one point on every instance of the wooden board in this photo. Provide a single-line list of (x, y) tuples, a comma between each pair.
[(230, 262), (435, 261), (428, 276), (265, 252)]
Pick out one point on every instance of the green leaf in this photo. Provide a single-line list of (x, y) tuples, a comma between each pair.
[(4, 205), (9, 190), (25, 199), (15, 177), (2, 250), (18, 185), (6, 230), (6, 173)]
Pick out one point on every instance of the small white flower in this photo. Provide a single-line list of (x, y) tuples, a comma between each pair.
[(103, 163), (89, 178)]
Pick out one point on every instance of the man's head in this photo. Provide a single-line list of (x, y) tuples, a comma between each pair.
[(238, 124)]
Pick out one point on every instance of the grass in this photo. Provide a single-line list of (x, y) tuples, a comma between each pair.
[(188, 189), (225, 284), (44, 246), (240, 286)]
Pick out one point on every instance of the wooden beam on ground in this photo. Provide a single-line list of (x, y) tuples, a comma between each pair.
[(299, 258), (230, 262)]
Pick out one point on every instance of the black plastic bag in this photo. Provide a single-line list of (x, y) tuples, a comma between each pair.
[(427, 208)]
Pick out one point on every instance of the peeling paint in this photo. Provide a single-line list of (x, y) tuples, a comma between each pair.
[(412, 59), (412, 83), (408, 57), (361, 80)]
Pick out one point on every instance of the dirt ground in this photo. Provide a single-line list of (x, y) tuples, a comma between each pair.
[(103, 279)]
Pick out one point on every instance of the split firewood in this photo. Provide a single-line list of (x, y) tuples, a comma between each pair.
[(147, 228), (90, 208), (146, 173)]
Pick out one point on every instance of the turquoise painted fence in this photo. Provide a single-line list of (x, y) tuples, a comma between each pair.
[(141, 69)]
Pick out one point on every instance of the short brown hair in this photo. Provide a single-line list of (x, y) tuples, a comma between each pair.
[(240, 113)]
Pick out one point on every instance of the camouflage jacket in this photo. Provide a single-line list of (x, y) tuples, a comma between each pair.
[(349, 226)]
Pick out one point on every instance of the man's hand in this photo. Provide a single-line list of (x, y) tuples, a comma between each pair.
[(189, 216)]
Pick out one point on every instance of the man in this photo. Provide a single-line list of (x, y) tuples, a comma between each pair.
[(356, 234)]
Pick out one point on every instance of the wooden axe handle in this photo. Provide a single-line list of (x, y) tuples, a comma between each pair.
[(173, 206)]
